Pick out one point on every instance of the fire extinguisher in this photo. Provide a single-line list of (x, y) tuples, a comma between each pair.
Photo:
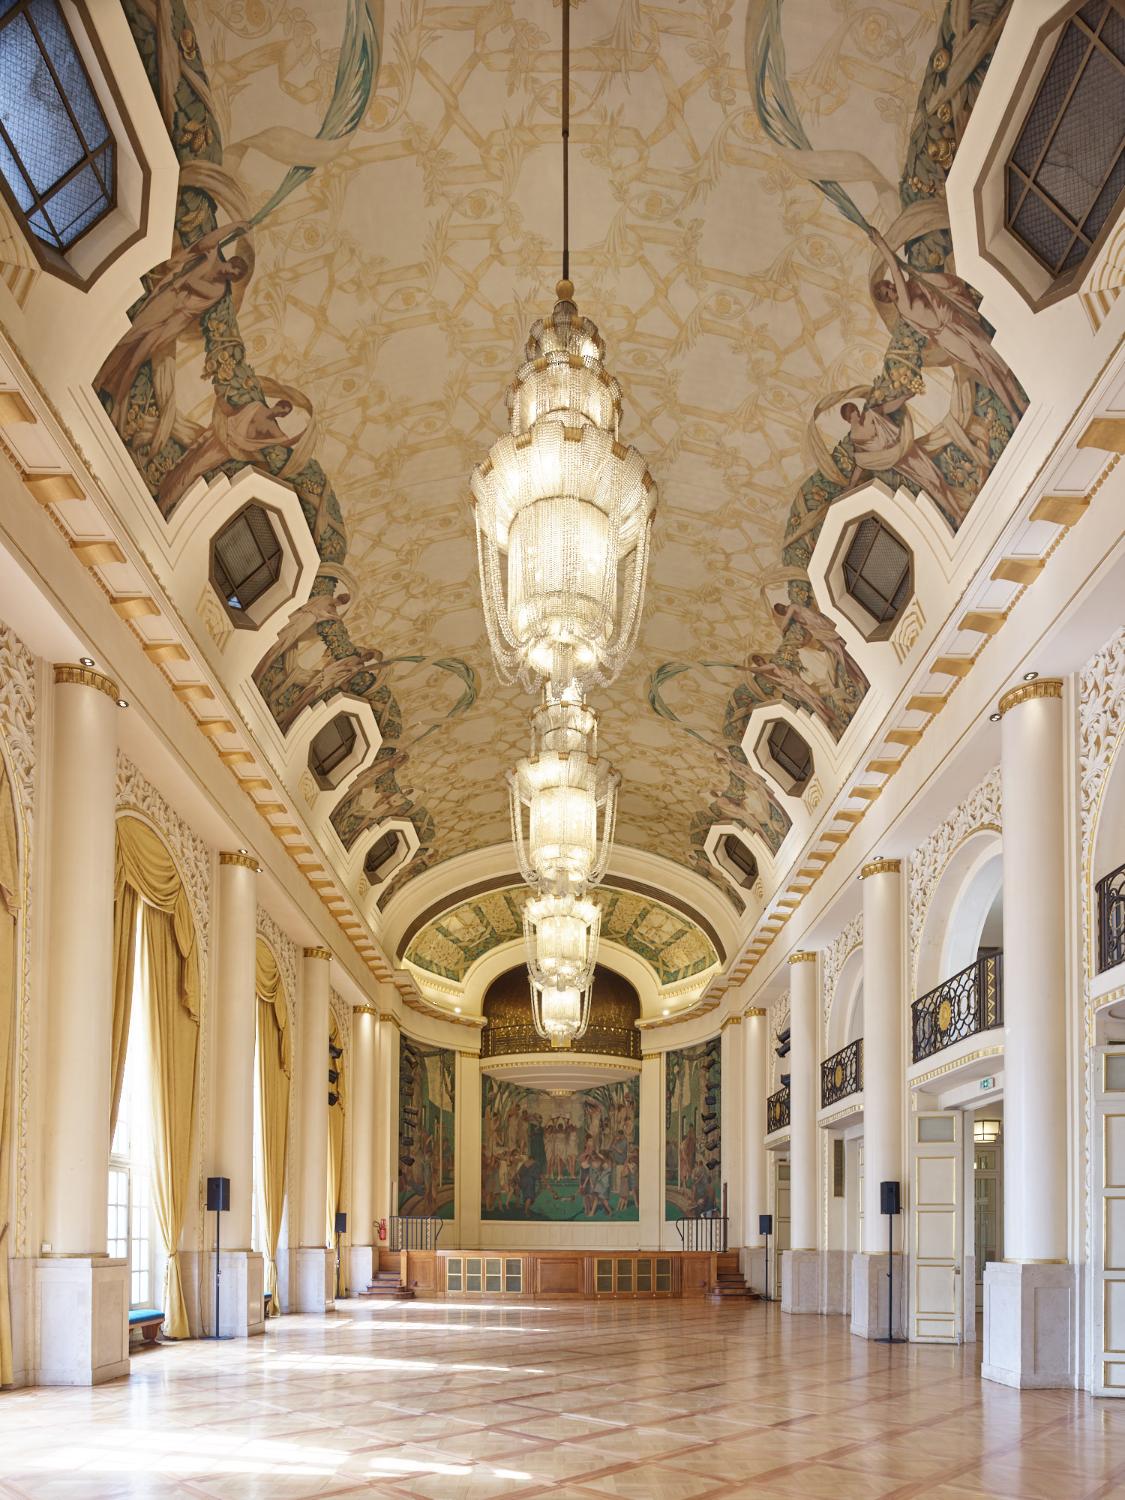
[(382, 1229)]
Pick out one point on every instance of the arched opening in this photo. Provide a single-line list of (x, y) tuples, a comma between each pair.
[(615, 1008), (1108, 867), (965, 912)]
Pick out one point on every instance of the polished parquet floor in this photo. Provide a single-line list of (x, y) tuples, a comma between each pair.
[(651, 1401)]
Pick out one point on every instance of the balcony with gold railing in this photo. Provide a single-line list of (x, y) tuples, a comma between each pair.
[(777, 1110), (962, 1006), (1111, 919), (841, 1075)]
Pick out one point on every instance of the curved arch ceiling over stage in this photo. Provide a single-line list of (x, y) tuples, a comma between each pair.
[(367, 223)]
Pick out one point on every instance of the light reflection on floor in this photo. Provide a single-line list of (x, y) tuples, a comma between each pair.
[(645, 1401)]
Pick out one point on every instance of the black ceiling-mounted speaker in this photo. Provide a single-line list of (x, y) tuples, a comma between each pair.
[(890, 1201), (341, 1223), (218, 1195), (765, 1223)]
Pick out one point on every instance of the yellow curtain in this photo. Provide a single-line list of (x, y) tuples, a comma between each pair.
[(146, 873), (274, 1067), (335, 1202), (173, 1034), (9, 906)]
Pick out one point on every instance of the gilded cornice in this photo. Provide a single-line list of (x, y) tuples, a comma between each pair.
[(74, 672), (387, 1015), (803, 956), (1042, 687), (236, 857), (325, 953), (731, 1021), (365, 1010), (881, 867), (755, 1010)]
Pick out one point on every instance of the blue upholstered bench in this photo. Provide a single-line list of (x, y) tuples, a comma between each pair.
[(149, 1320)]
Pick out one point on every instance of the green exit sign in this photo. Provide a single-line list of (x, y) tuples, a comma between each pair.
[(988, 1083)]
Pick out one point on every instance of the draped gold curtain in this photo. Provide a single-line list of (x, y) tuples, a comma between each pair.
[(151, 905), (9, 906), (336, 1113), (274, 1070)]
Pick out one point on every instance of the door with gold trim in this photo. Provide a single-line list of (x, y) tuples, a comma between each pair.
[(936, 1226)]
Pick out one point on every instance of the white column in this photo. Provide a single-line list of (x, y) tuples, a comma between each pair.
[(386, 1107), (1030, 1305), (314, 1261), (83, 1299), (884, 1008), (362, 1213), (232, 1152), (800, 1267), (732, 1100), (467, 1126), (755, 1189), (653, 1231)]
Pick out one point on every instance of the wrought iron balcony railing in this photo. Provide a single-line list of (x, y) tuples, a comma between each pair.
[(411, 1233), (842, 1073), (777, 1110), (1111, 919), (704, 1232), (961, 1006)]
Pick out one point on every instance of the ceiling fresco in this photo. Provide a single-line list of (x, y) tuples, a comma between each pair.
[(672, 944), (367, 224)]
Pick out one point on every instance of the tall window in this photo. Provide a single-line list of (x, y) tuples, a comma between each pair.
[(1066, 172), (57, 153), (129, 1201)]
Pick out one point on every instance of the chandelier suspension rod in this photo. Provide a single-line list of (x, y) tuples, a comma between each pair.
[(566, 137)]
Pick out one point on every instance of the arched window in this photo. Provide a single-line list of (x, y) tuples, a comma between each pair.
[(58, 156)]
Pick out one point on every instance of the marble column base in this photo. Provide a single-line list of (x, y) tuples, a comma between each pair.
[(752, 1264), (800, 1281), (1030, 1314), (361, 1268), (835, 1281), (241, 1293), (869, 1295), (316, 1280), (81, 1320)]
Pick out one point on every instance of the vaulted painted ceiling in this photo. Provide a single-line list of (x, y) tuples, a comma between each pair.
[(368, 222)]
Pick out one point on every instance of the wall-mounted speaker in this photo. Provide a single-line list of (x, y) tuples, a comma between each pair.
[(765, 1223), (218, 1195), (889, 1199), (341, 1223)]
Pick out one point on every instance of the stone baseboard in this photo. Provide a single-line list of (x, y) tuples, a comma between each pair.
[(869, 1295), (80, 1320), (315, 1280), (241, 1293), (800, 1281), (1030, 1314), (361, 1267)]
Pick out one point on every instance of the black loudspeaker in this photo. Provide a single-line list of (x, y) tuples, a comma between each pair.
[(341, 1223), (218, 1195), (889, 1199), (765, 1223)]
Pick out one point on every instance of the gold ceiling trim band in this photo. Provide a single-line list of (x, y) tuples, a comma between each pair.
[(1042, 687), (77, 675), (236, 857), (325, 953), (802, 956), (881, 867)]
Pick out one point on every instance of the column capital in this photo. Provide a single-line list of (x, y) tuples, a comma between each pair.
[(325, 953), (365, 1010), (76, 673), (755, 1010), (735, 1020), (1042, 687), (236, 857), (881, 867), (802, 956), (387, 1015)]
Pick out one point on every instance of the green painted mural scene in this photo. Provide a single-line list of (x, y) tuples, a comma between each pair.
[(692, 1130), (426, 1141), (567, 1158)]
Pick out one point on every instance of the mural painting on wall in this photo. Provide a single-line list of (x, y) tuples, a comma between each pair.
[(692, 1130), (426, 1141), (776, 279), (565, 1158)]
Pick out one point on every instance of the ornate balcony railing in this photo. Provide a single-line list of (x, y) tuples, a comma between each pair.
[(961, 1006), (777, 1110), (1111, 919), (409, 1233), (842, 1073), (611, 1041), (704, 1232)]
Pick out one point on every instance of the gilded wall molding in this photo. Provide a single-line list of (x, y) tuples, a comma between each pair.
[(880, 867), (979, 813), (781, 1021), (80, 676), (755, 1010), (803, 956), (245, 861), (1042, 687), (19, 717), (951, 1067), (322, 953)]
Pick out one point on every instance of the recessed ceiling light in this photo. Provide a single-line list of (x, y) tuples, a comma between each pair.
[(243, 851), (123, 703), (86, 661), (1030, 676), (667, 1012), (456, 1010), (994, 718)]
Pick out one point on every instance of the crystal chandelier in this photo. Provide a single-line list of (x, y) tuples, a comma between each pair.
[(561, 935), (560, 1015), (557, 794)]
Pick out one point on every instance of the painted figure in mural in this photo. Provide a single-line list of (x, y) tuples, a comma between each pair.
[(692, 1119), (184, 288), (943, 309), (787, 682), (881, 445), (426, 1127), (814, 630), (239, 433)]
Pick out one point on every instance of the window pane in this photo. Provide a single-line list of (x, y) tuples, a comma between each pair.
[(1088, 138), (1049, 100)]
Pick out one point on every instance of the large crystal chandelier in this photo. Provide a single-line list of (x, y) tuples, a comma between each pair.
[(563, 512), (559, 793)]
